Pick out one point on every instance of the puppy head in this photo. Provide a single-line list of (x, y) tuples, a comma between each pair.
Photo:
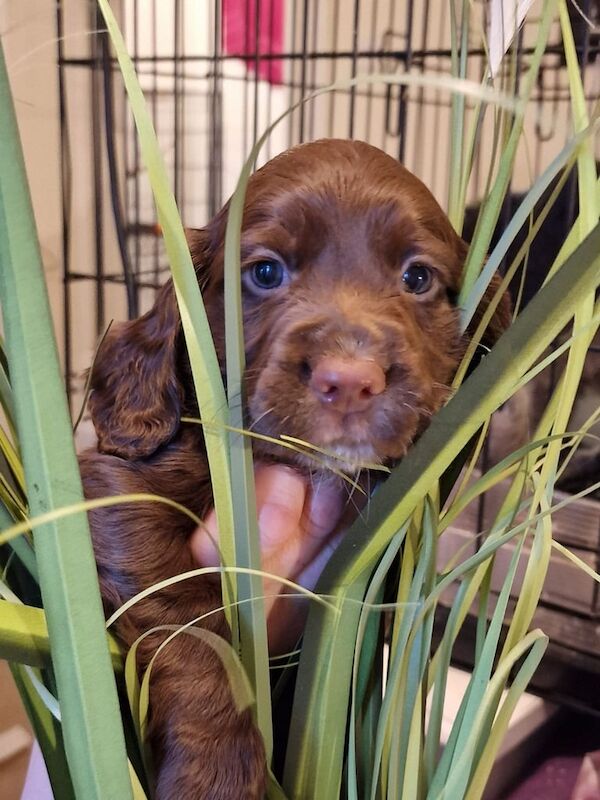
[(350, 271)]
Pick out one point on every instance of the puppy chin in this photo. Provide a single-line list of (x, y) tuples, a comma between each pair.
[(340, 454)]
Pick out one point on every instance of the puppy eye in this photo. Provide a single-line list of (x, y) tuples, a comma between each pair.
[(268, 274), (417, 278)]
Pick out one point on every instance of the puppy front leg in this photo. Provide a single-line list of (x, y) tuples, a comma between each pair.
[(204, 747)]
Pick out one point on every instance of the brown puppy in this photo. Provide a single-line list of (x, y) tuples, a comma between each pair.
[(350, 274)]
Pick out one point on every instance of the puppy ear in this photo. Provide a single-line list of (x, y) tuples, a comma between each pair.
[(204, 244), (501, 318), (136, 395)]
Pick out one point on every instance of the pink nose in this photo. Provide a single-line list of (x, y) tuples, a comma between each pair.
[(347, 385)]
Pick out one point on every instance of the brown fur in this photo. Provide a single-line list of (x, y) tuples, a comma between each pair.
[(344, 218)]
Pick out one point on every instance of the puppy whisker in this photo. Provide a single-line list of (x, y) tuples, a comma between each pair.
[(260, 417)]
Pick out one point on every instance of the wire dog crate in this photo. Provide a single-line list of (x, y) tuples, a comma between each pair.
[(216, 74)]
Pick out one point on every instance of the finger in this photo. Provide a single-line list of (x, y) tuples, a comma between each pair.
[(204, 540), (311, 573), (280, 498), (323, 509)]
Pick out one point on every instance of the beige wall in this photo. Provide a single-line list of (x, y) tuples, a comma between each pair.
[(27, 29)]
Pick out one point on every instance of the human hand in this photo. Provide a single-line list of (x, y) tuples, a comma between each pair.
[(298, 528)]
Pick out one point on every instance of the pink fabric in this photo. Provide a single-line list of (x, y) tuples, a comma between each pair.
[(588, 780), (552, 780), (251, 25), (37, 784)]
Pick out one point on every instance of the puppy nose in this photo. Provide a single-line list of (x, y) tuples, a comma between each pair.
[(347, 385)]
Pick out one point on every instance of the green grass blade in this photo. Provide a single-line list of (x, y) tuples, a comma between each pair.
[(306, 775), (7, 402), (499, 472), (360, 675), (16, 529), (404, 655), (438, 679), (458, 779), (414, 762), (203, 360), (48, 734), (21, 546), (415, 656), (470, 706), (576, 560), (368, 721), (535, 573), (252, 620), (194, 573), (517, 221), (92, 726), (502, 720), (24, 637), (493, 203)]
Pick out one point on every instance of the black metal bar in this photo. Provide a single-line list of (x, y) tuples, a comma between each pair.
[(403, 101), (269, 54), (355, 24), (111, 156), (292, 82), (110, 278), (65, 178), (181, 88), (214, 156), (136, 151), (97, 169), (398, 55), (303, 71), (177, 137), (127, 123), (154, 111), (420, 105), (333, 72), (313, 76), (372, 37), (583, 47), (245, 103), (257, 59)]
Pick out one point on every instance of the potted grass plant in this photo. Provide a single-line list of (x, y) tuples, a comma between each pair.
[(357, 730)]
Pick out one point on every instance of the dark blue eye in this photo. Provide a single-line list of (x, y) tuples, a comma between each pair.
[(417, 278), (268, 274)]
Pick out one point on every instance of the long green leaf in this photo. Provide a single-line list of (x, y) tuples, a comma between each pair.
[(21, 546), (24, 637), (252, 619), (493, 202), (469, 709), (48, 734), (91, 721), (458, 779), (203, 359)]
